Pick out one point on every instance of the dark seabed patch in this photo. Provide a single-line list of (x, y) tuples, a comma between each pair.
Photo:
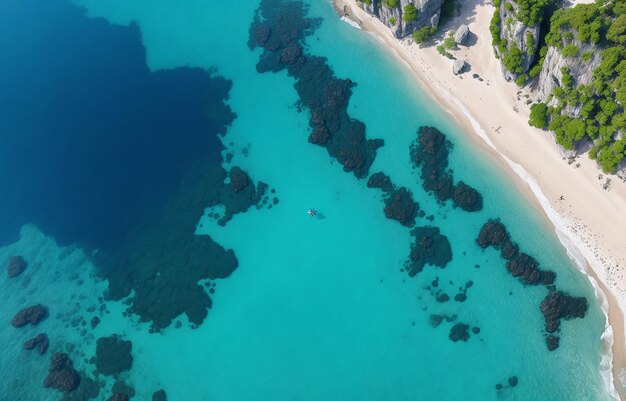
[(115, 157), (280, 28), (556, 305), (518, 264), (430, 153), (429, 247), (113, 355)]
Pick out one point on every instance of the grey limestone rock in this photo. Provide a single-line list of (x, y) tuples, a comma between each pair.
[(580, 70), (514, 32), (461, 34), (458, 66), (429, 12)]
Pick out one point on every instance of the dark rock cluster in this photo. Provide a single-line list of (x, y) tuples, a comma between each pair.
[(61, 375), (118, 397), (430, 154), (559, 305), (519, 264), (164, 260), (380, 180), (280, 28), (113, 355), (87, 389), (40, 341), (16, 266), (400, 206), (430, 247), (31, 315), (159, 395), (437, 319), (459, 332)]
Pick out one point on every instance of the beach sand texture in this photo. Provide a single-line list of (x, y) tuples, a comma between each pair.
[(589, 219)]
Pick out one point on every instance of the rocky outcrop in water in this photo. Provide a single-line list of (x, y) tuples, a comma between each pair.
[(280, 28), (380, 180), (459, 332), (429, 153), (559, 305), (400, 206), (159, 396), (40, 341), (15, 266), (397, 18), (118, 397), (113, 355), (61, 375), (31, 315), (429, 247), (520, 265)]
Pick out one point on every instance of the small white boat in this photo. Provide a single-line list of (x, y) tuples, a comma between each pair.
[(311, 212)]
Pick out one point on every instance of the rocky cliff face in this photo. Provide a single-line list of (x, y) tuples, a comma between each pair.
[(515, 34), (580, 70), (428, 15)]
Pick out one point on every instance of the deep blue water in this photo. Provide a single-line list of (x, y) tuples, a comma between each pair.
[(90, 137)]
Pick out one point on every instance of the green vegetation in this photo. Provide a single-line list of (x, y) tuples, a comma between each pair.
[(538, 115), (442, 50), (390, 3), (368, 2), (570, 50), (531, 12), (530, 43), (601, 102), (421, 35), (508, 6), (513, 60), (410, 13), (392, 21), (449, 42)]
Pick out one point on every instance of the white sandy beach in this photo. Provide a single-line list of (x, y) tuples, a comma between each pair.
[(589, 220)]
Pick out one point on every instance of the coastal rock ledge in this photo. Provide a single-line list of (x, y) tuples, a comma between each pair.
[(401, 18)]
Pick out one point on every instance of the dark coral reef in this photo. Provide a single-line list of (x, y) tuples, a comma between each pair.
[(519, 264), (31, 315), (430, 247), (557, 306), (430, 153), (400, 206), (61, 374), (113, 355), (163, 260), (280, 29), (16, 266)]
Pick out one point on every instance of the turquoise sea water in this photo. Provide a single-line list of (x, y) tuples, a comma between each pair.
[(318, 309)]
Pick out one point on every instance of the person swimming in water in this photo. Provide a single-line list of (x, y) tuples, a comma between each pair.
[(311, 212)]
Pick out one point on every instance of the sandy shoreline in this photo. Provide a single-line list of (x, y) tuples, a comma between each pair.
[(587, 220)]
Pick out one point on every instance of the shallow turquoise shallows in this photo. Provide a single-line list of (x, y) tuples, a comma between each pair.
[(319, 309)]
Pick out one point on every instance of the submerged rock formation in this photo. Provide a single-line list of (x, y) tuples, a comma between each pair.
[(430, 154), (404, 17), (40, 341), (159, 395), (31, 315), (113, 355), (400, 206), (559, 305), (459, 332), (280, 28), (15, 266), (520, 265), (430, 247), (61, 375), (380, 180)]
